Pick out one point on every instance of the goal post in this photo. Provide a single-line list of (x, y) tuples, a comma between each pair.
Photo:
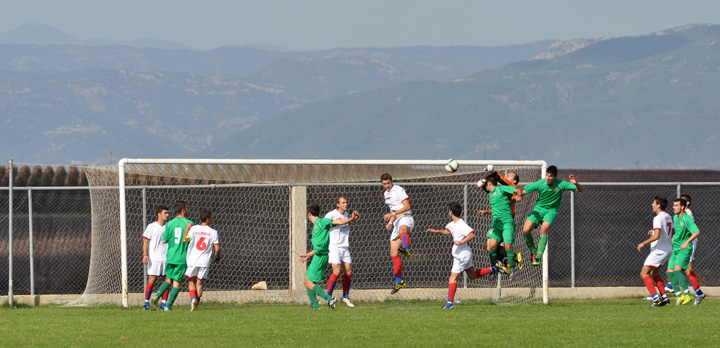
[(279, 190)]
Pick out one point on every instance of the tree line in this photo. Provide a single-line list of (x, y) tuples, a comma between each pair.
[(37, 176)]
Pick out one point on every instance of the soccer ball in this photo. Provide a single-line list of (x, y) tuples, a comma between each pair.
[(451, 166)]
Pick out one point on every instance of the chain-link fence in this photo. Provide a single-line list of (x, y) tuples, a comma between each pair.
[(593, 242)]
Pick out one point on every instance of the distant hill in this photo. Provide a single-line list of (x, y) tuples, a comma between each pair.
[(651, 98)]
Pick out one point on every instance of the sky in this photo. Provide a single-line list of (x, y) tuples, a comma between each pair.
[(322, 24)]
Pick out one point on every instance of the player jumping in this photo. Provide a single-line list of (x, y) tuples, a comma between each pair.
[(512, 179), (660, 251), (400, 222), (503, 224)]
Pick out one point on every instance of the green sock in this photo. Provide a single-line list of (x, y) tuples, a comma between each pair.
[(320, 292), (682, 281), (171, 298), (675, 284), (541, 247), (164, 286), (493, 257), (511, 258), (531, 243), (313, 299)]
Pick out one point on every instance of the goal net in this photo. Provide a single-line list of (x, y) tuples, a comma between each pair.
[(259, 210)]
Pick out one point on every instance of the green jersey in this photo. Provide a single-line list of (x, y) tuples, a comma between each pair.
[(550, 195), (321, 235), (500, 202), (173, 235), (684, 228)]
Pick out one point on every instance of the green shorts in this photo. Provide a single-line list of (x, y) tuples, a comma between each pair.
[(175, 271), (317, 268), (540, 214), (502, 231), (680, 258)]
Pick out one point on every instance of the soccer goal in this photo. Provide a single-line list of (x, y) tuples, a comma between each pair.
[(259, 210)]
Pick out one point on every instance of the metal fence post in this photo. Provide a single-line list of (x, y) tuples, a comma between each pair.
[(465, 210), (572, 239), (30, 240), (679, 191), (10, 237)]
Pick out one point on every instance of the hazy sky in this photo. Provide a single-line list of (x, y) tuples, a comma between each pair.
[(322, 24)]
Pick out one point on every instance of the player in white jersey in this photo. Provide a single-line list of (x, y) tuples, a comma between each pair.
[(660, 251), (200, 237), (339, 254), (400, 222), (462, 254), (154, 253)]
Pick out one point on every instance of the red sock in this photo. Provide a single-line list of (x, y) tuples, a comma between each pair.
[(660, 284), (148, 291), (650, 285), (193, 293), (451, 292), (405, 239), (483, 272), (397, 266), (346, 284), (165, 294), (694, 280), (331, 283)]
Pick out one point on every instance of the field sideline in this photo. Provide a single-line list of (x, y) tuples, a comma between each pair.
[(392, 323)]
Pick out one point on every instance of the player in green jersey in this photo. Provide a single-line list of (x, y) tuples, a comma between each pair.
[(176, 264), (320, 243), (550, 190), (685, 232), (503, 224)]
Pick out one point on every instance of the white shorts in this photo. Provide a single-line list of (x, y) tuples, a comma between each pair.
[(692, 256), (462, 262), (657, 258), (338, 255), (156, 268), (404, 220), (197, 272)]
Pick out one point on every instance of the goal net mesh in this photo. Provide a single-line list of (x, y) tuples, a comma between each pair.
[(251, 211)]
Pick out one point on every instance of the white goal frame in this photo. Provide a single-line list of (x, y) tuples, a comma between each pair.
[(125, 161)]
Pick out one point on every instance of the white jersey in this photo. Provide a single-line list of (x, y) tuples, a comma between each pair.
[(156, 248), (339, 234), (395, 198), (664, 222), (199, 250), (459, 231)]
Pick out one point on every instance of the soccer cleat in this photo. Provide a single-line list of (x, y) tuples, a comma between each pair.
[(519, 261), (193, 305), (535, 262), (512, 275), (665, 301), (669, 290), (678, 300), (331, 303), (167, 309), (153, 304), (505, 268), (146, 308), (656, 303), (398, 286), (404, 252), (699, 298), (162, 306), (447, 306), (686, 299), (347, 302)]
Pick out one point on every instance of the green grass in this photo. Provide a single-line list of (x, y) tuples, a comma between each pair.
[(607, 323)]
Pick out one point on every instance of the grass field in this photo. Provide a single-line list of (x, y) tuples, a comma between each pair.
[(608, 323)]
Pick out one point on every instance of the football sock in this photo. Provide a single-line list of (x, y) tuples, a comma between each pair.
[(501, 253), (451, 292), (541, 247), (682, 281), (161, 291), (331, 283), (193, 294), (695, 283), (530, 241), (675, 283), (511, 258), (313, 299), (148, 291), (660, 284), (320, 292), (485, 271), (650, 286), (173, 294), (397, 266), (346, 285), (493, 257), (669, 282), (405, 240)]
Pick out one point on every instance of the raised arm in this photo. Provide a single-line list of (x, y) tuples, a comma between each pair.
[(574, 181), (445, 231)]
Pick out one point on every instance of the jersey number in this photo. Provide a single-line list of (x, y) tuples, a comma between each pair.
[(178, 235), (201, 245), (669, 228)]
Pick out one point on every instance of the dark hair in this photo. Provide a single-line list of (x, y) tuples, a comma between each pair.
[(491, 179), (517, 177), (205, 215), (661, 201), (552, 170), (386, 176), (683, 203), (180, 206), (314, 209), (338, 199), (686, 198), (160, 209), (455, 208)]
